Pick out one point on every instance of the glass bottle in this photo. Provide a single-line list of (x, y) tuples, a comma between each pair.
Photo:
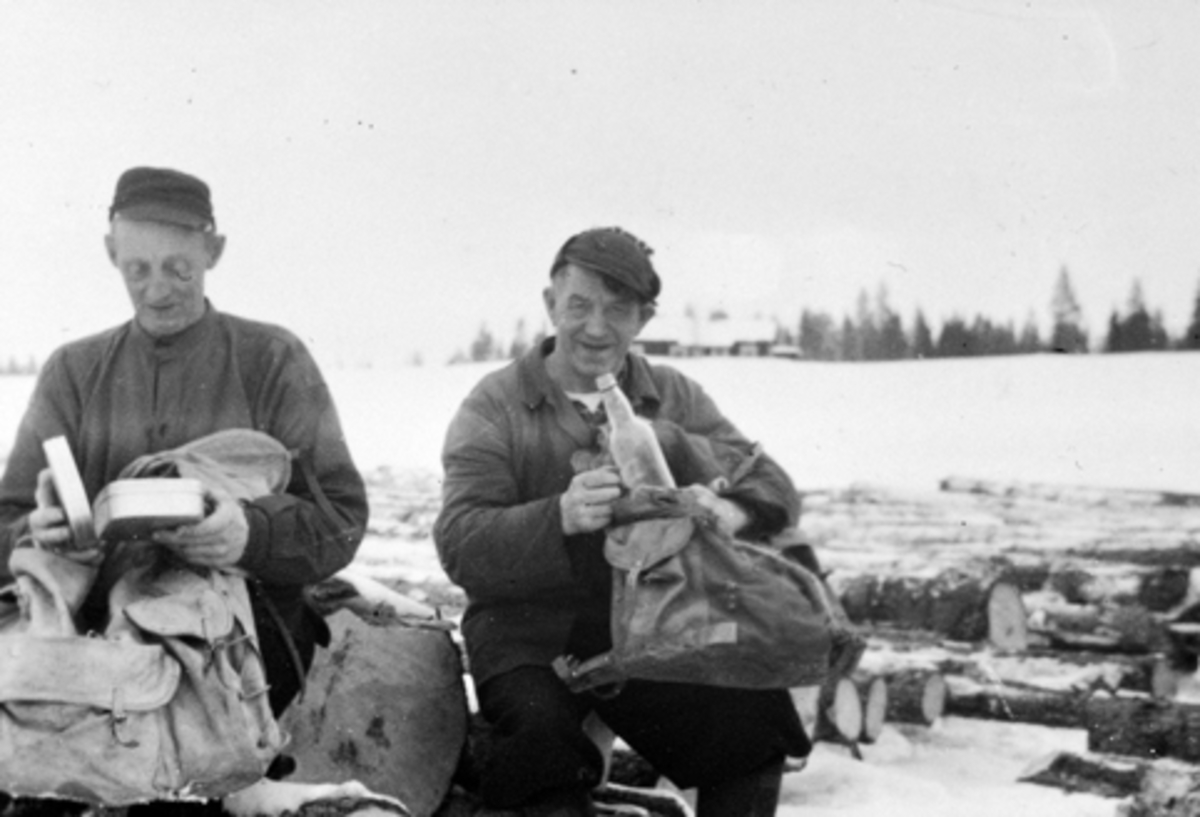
[(632, 440)]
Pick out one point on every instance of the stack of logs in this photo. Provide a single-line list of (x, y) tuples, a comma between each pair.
[(1060, 606)]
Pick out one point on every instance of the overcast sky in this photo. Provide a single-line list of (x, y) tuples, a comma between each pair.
[(392, 175)]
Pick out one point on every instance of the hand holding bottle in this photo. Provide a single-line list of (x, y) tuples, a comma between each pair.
[(587, 504)]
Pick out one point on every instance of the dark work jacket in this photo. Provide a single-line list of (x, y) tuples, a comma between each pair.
[(507, 461), (122, 393)]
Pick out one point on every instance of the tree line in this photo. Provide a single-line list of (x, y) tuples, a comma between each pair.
[(875, 331), (14, 366)]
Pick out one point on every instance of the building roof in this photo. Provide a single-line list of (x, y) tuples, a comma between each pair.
[(704, 333)]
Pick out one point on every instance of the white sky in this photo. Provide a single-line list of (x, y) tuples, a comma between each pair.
[(392, 175)]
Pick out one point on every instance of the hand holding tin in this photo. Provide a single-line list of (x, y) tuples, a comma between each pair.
[(218, 540)]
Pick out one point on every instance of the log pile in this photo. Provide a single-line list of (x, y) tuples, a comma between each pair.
[(1056, 605), (1150, 788)]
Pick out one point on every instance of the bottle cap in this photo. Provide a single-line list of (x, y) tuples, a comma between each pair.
[(606, 381)]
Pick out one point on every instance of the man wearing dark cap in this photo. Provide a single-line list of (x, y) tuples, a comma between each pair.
[(178, 371), (522, 532)]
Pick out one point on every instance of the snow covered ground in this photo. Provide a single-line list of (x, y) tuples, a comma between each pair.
[(1116, 421)]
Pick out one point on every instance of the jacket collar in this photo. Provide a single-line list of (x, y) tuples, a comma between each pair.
[(536, 387), (179, 344)]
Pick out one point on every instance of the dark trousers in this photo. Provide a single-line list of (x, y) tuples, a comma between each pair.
[(694, 735), (289, 632)]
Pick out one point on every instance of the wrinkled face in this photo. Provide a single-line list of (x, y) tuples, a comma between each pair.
[(163, 267), (594, 328)]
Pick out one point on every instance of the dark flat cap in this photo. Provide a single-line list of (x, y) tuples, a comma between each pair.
[(616, 254), (165, 195)]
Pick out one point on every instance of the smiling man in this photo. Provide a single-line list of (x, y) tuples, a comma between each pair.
[(178, 371), (522, 532)]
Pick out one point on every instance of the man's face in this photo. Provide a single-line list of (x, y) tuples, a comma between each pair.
[(594, 328), (163, 268)]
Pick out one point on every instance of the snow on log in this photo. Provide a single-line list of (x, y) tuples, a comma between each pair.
[(1143, 727), (372, 601), (1006, 702), (1156, 788), (1098, 627), (1102, 775), (1068, 671), (1150, 674), (1155, 587), (873, 693)]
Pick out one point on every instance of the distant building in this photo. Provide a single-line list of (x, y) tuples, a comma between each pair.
[(696, 337)]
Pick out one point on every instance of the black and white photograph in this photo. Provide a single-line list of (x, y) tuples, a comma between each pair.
[(515, 408)]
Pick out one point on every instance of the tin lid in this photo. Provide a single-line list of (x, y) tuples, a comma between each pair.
[(71, 493)]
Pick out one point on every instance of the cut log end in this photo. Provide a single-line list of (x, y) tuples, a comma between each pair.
[(840, 714), (916, 696), (1006, 618), (873, 692)]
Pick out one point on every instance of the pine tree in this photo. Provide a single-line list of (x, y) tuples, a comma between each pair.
[(891, 342), (1115, 342), (817, 336), (1135, 329), (922, 339), (867, 330), (484, 345), (520, 344), (955, 339), (851, 342), (1159, 339), (1067, 334), (1191, 335), (1030, 341)]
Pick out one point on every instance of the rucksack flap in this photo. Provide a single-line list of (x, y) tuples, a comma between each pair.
[(243, 462)]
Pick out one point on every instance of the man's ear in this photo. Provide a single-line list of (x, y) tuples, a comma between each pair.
[(548, 298), (216, 248), (110, 247), (647, 312)]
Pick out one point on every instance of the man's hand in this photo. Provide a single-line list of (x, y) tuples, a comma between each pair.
[(218, 540), (588, 503), (48, 524), (730, 516)]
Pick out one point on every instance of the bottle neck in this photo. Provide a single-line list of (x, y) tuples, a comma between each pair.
[(617, 405)]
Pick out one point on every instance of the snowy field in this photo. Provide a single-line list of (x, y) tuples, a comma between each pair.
[(1126, 421), (1129, 421)]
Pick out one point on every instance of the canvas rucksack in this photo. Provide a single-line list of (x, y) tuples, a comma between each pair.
[(690, 604), (169, 699)]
